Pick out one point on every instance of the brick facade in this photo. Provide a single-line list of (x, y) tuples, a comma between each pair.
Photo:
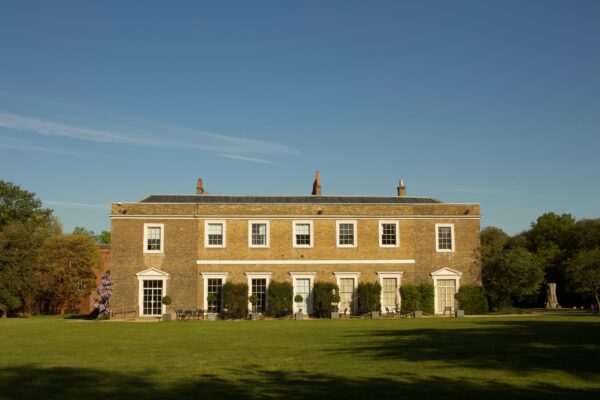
[(185, 257)]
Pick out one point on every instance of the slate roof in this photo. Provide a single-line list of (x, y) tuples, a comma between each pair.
[(160, 198)]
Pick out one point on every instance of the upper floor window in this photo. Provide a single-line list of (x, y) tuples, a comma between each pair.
[(214, 234), (346, 233), (388, 234), (303, 233), (258, 233), (444, 237), (153, 238)]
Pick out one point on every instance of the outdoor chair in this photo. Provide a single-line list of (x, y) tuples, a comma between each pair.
[(344, 314), (199, 314), (188, 314), (390, 313), (179, 315)]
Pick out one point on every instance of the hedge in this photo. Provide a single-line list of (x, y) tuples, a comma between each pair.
[(235, 300), (415, 298), (427, 297), (369, 297), (322, 298), (279, 299), (472, 299)]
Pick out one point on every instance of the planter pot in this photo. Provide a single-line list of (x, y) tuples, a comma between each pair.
[(299, 316), (418, 314), (255, 317), (374, 314), (166, 317), (211, 316), (460, 313), (335, 315)]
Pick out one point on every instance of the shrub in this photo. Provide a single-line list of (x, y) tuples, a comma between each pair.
[(369, 297), (279, 299), (472, 299), (427, 297), (411, 298), (323, 297), (235, 300), (166, 300)]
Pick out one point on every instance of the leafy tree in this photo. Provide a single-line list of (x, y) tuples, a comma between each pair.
[(369, 297), (235, 299), (279, 298), (515, 275), (324, 298), (24, 225), (67, 266), (104, 237), (584, 272), (79, 230)]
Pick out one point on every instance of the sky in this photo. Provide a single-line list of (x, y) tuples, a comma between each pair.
[(490, 102)]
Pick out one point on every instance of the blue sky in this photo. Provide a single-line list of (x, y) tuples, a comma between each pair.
[(495, 103)]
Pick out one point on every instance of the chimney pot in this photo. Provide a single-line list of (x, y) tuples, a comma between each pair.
[(401, 188), (199, 188), (317, 184)]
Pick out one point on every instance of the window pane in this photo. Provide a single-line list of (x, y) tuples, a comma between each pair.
[(259, 234), (346, 234), (153, 238), (259, 288), (215, 286), (388, 234), (303, 234), (444, 238)]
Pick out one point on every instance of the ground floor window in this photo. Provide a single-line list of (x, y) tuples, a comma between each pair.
[(302, 286), (259, 289), (152, 297), (389, 293), (215, 287), (446, 289), (346, 294)]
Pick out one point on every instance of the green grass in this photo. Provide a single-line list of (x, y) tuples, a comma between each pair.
[(553, 357)]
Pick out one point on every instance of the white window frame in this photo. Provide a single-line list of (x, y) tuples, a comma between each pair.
[(355, 276), (312, 236), (389, 274), (224, 232), (390, 222), (444, 274), (151, 274), (268, 233), (437, 238), (162, 238), (211, 275), (337, 233), (303, 275), (258, 275)]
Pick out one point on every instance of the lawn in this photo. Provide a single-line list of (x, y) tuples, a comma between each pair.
[(554, 357)]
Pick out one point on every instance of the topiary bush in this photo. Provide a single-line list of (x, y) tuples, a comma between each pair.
[(411, 298), (427, 297), (472, 299), (279, 299), (235, 300), (369, 297), (322, 298)]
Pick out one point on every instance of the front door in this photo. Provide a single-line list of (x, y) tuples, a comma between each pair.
[(446, 289), (346, 295), (303, 289), (152, 301)]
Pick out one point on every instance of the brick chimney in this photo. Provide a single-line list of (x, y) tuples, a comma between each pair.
[(401, 189), (317, 185), (199, 188)]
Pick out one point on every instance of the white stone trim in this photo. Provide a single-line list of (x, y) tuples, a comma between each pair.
[(162, 238), (211, 275), (437, 241), (355, 276), (302, 275), (444, 273), (283, 217), (337, 233), (268, 233), (151, 274), (389, 221), (215, 221), (305, 262), (312, 234), (388, 274), (258, 275)]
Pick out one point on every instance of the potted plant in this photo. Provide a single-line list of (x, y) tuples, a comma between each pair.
[(166, 300), (298, 299), (254, 301), (335, 299), (211, 299)]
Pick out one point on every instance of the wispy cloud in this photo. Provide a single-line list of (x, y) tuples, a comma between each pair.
[(251, 159), (76, 205), (228, 146), (25, 146)]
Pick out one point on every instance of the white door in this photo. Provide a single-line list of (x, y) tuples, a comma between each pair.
[(303, 289), (446, 289), (346, 295), (389, 294)]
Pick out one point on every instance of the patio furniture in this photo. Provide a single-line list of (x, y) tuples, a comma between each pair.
[(180, 315)]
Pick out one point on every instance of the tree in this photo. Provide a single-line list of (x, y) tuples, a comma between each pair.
[(104, 237), (67, 265), (514, 275), (24, 225), (584, 273)]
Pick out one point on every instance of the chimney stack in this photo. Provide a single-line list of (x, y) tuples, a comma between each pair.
[(317, 185), (199, 188), (401, 189)]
